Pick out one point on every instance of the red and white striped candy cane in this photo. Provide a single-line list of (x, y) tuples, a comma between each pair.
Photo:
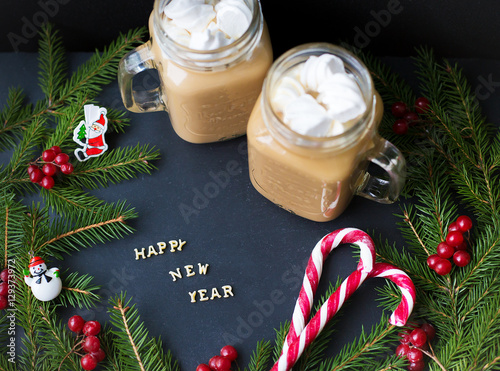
[(313, 274), (405, 284), (293, 350)]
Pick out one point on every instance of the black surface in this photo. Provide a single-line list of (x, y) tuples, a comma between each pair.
[(458, 28), (249, 243)]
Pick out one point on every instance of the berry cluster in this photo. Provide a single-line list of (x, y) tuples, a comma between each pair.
[(4, 288), (51, 161), (454, 247), (412, 342), (405, 117), (222, 362), (89, 343)]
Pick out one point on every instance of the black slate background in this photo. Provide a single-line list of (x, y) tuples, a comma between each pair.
[(250, 244)]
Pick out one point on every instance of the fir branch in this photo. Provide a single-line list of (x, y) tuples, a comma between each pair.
[(281, 334), (96, 226), (60, 344), (260, 357), (101, 68), (78, 291), (9, 134), (5, 364), (118, 165), (136, 350), (359, 353), (67, 118), (68, 201), (52, 62)]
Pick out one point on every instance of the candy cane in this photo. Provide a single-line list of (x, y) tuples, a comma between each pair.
[(405, 284), (313, 274), (293, 349)]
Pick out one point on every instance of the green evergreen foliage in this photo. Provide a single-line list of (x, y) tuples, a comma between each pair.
[(453, 152)]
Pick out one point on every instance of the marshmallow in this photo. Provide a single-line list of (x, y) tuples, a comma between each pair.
[(318, 69), (233, 17), (342, 97), (192, 15), (206, 24), (306, 116), (288, 89)]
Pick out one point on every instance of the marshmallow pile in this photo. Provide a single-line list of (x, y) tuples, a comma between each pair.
[(318, 98), (206, 24)]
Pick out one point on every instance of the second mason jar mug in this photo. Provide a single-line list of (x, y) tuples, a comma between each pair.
[(211, 58), (313, 133)]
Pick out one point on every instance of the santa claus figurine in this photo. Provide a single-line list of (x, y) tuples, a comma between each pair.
[(45, 283), (90, 133)]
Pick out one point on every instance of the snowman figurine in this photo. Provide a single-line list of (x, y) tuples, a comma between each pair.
[(45, 283)]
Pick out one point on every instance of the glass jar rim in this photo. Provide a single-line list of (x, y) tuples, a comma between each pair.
[(299, 54), (203, 59)]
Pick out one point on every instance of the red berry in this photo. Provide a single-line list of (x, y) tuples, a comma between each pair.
[(91, 328), (4, 275), (56, 149), (429, 330), (464, 223), (398, 109), (31, 168), (47, 182), (36, 175), (61, 158), (415, 355), (222, 364), (88, 362), (48, 155), (443, 267), (76, 323), (418, 337), (416, 366), (453, 227), (461, 258), (412, 118), (49, 169), (421, 105), (203, 367), (4, 289), (4, 303), (229, 352), (445, 251), (99, 355), (402, 350), (91, 344), (211, 362), (67, 168), (400, 127), (432, 261), (454, 238)]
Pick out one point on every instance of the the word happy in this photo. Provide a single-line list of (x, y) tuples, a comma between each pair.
[(173, 245)]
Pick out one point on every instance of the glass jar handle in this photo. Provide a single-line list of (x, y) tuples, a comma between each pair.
[(138, 60), (392, 161)]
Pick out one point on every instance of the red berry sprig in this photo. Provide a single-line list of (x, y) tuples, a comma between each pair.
[(4, 288), (405, 117), (222, 362), (52, 160), (89, 342), (454, 247), (412, 341)]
